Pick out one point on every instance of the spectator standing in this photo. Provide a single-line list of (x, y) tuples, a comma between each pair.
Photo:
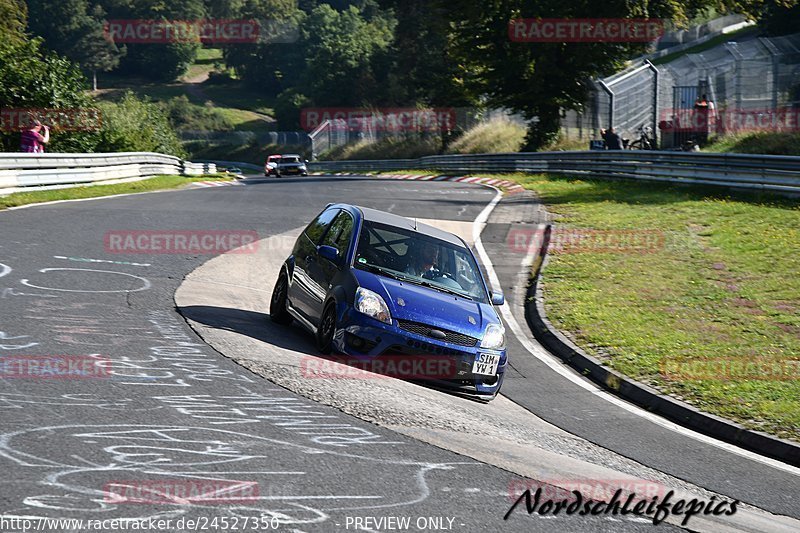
[(32, 139), (701, 110), (612, 139)]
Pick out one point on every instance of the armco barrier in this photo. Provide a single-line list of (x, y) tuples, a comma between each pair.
[(763, 172), (30, 170)]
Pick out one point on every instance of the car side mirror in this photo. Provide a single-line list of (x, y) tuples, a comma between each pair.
[(498, 298), (330, 253)]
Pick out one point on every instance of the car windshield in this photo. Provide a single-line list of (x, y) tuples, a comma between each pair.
[(290, 159), (419, 259)]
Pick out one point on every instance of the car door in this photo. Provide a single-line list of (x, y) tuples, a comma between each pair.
[(303, 290), (339, 235)]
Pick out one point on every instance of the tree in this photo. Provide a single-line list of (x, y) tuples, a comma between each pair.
[(781, 19), (333, 62), (71, 29), (422, 69), (94, 51), (31, 78), (13, 16), (339, 49), (540, 79), (133, 125), (159, 61)]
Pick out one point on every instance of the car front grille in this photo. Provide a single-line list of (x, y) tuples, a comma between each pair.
[(424, 330)]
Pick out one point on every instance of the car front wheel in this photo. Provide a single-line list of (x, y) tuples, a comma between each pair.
[(327, 327), (278, 311)]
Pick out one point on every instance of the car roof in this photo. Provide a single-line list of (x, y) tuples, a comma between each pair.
[(290, 155), (382, 217)]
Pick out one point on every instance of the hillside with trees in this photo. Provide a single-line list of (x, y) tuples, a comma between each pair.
[(354, 53)]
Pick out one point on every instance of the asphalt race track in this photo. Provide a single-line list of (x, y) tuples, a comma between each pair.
[(196, 387)]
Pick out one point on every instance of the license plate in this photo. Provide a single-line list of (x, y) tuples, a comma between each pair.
[(486, 364)]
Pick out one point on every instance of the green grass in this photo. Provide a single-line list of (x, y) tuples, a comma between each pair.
[(772, 143), (207, 56), (234, 94), (567, 144), (410, 147), (152, 184), (494, 136), (723, 286)]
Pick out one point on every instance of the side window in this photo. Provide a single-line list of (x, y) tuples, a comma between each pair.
[(316, 229), (340, 233)]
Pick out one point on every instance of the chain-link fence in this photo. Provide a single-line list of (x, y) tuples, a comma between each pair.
[(625, 101), (750, 85)]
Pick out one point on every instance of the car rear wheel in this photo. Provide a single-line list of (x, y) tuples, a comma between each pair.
[(278, 311), (327, 327)]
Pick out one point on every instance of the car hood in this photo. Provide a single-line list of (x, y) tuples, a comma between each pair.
[(429, 306)]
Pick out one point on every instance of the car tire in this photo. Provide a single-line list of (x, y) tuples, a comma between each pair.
[(278, 311), (327, 328)]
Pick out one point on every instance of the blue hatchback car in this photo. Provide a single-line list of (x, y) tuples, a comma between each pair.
[(376, 286)]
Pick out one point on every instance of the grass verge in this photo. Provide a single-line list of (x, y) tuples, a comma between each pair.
[(709, 314), (721, 290), (494, 136), (765, 142), (156, 183)]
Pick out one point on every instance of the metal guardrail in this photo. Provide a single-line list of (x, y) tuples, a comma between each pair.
[(763, 172), (240, 164), (19, 170)]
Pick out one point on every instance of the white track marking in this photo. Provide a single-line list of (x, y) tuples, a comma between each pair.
[(145, 282)]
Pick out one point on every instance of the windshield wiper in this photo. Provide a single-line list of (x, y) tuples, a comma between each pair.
[(385, 272), (440, 288)]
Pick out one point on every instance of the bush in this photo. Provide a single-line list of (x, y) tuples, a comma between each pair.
[(494, 136), (184, 115), (287, 109), (133, 125), (410, 147)]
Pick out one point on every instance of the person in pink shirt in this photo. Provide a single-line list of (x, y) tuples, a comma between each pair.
[(32, 140)]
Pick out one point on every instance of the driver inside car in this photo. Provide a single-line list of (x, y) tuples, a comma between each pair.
[(424, 261)]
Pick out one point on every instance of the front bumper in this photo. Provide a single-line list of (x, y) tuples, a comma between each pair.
[(362, 338), (294, 170)]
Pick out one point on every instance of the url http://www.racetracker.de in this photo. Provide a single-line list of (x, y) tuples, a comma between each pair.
[(147, 525)]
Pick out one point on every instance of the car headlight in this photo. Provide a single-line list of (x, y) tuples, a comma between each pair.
[(494, 338), (371, 304)]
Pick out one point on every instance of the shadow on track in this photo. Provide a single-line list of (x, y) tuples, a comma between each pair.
[(253, 324)]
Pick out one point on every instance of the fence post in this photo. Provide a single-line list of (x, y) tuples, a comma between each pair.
[(655, 101), (610, 93), (776, 65)]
